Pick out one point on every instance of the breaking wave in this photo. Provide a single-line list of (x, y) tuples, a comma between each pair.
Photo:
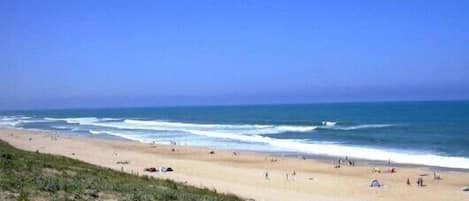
[(251, 134), (357, 127), (322, 148), (251, 129)]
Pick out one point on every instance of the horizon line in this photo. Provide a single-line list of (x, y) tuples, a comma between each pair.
[(236, 105)]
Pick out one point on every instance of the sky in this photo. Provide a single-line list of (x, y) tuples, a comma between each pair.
[(59, 54)]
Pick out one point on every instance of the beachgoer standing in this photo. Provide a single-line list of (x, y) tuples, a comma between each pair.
[(420, 181)]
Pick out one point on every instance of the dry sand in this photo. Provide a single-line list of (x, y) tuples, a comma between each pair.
[(244, 174)]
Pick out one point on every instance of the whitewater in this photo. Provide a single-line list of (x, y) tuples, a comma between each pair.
[(259, 135)]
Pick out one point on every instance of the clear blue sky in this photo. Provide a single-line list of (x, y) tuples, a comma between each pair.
[(141, 53)]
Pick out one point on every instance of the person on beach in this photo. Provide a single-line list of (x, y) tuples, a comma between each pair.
[(436, 176), (338, 164), (408, 182), (420, 182), (267, 175)]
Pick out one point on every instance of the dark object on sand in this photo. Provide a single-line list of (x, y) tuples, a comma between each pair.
[(408, 182), (420, 182), (173, 150), (166, 169), (375, 184), (73, 154), (151, 169), (161, 169), (212, 152), (30, 139), (465, 188), (123, 162)]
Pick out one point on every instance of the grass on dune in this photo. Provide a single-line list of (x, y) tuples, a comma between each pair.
[(36, 176)]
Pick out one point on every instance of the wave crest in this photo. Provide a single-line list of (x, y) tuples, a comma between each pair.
[(357, 127), (249, 129)]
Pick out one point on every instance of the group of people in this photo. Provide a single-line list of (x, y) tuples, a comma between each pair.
[(420, 179), (345, 161), (289, 176)]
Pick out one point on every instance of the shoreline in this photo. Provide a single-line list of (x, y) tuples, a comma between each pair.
[(292, 154), (243, 174), (370, 141)]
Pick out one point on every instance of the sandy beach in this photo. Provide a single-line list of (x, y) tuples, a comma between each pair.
[(243, 173)]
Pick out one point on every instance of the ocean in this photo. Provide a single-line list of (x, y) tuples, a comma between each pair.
[(421, 133)]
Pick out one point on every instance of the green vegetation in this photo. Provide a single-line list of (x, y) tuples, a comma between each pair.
[(35, 176)]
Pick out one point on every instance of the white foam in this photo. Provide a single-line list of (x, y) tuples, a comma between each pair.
[(126, 136), (357, 127), (25, 117), (9, 118), (252, 134), (34, 121), (341, 150), (13, 121), (61, 127), (9, 121), (190, 127), (81, 120), (109, 119), (129, 136), (329, 123)]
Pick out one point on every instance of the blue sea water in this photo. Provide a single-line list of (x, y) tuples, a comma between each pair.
[(426, 133)]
